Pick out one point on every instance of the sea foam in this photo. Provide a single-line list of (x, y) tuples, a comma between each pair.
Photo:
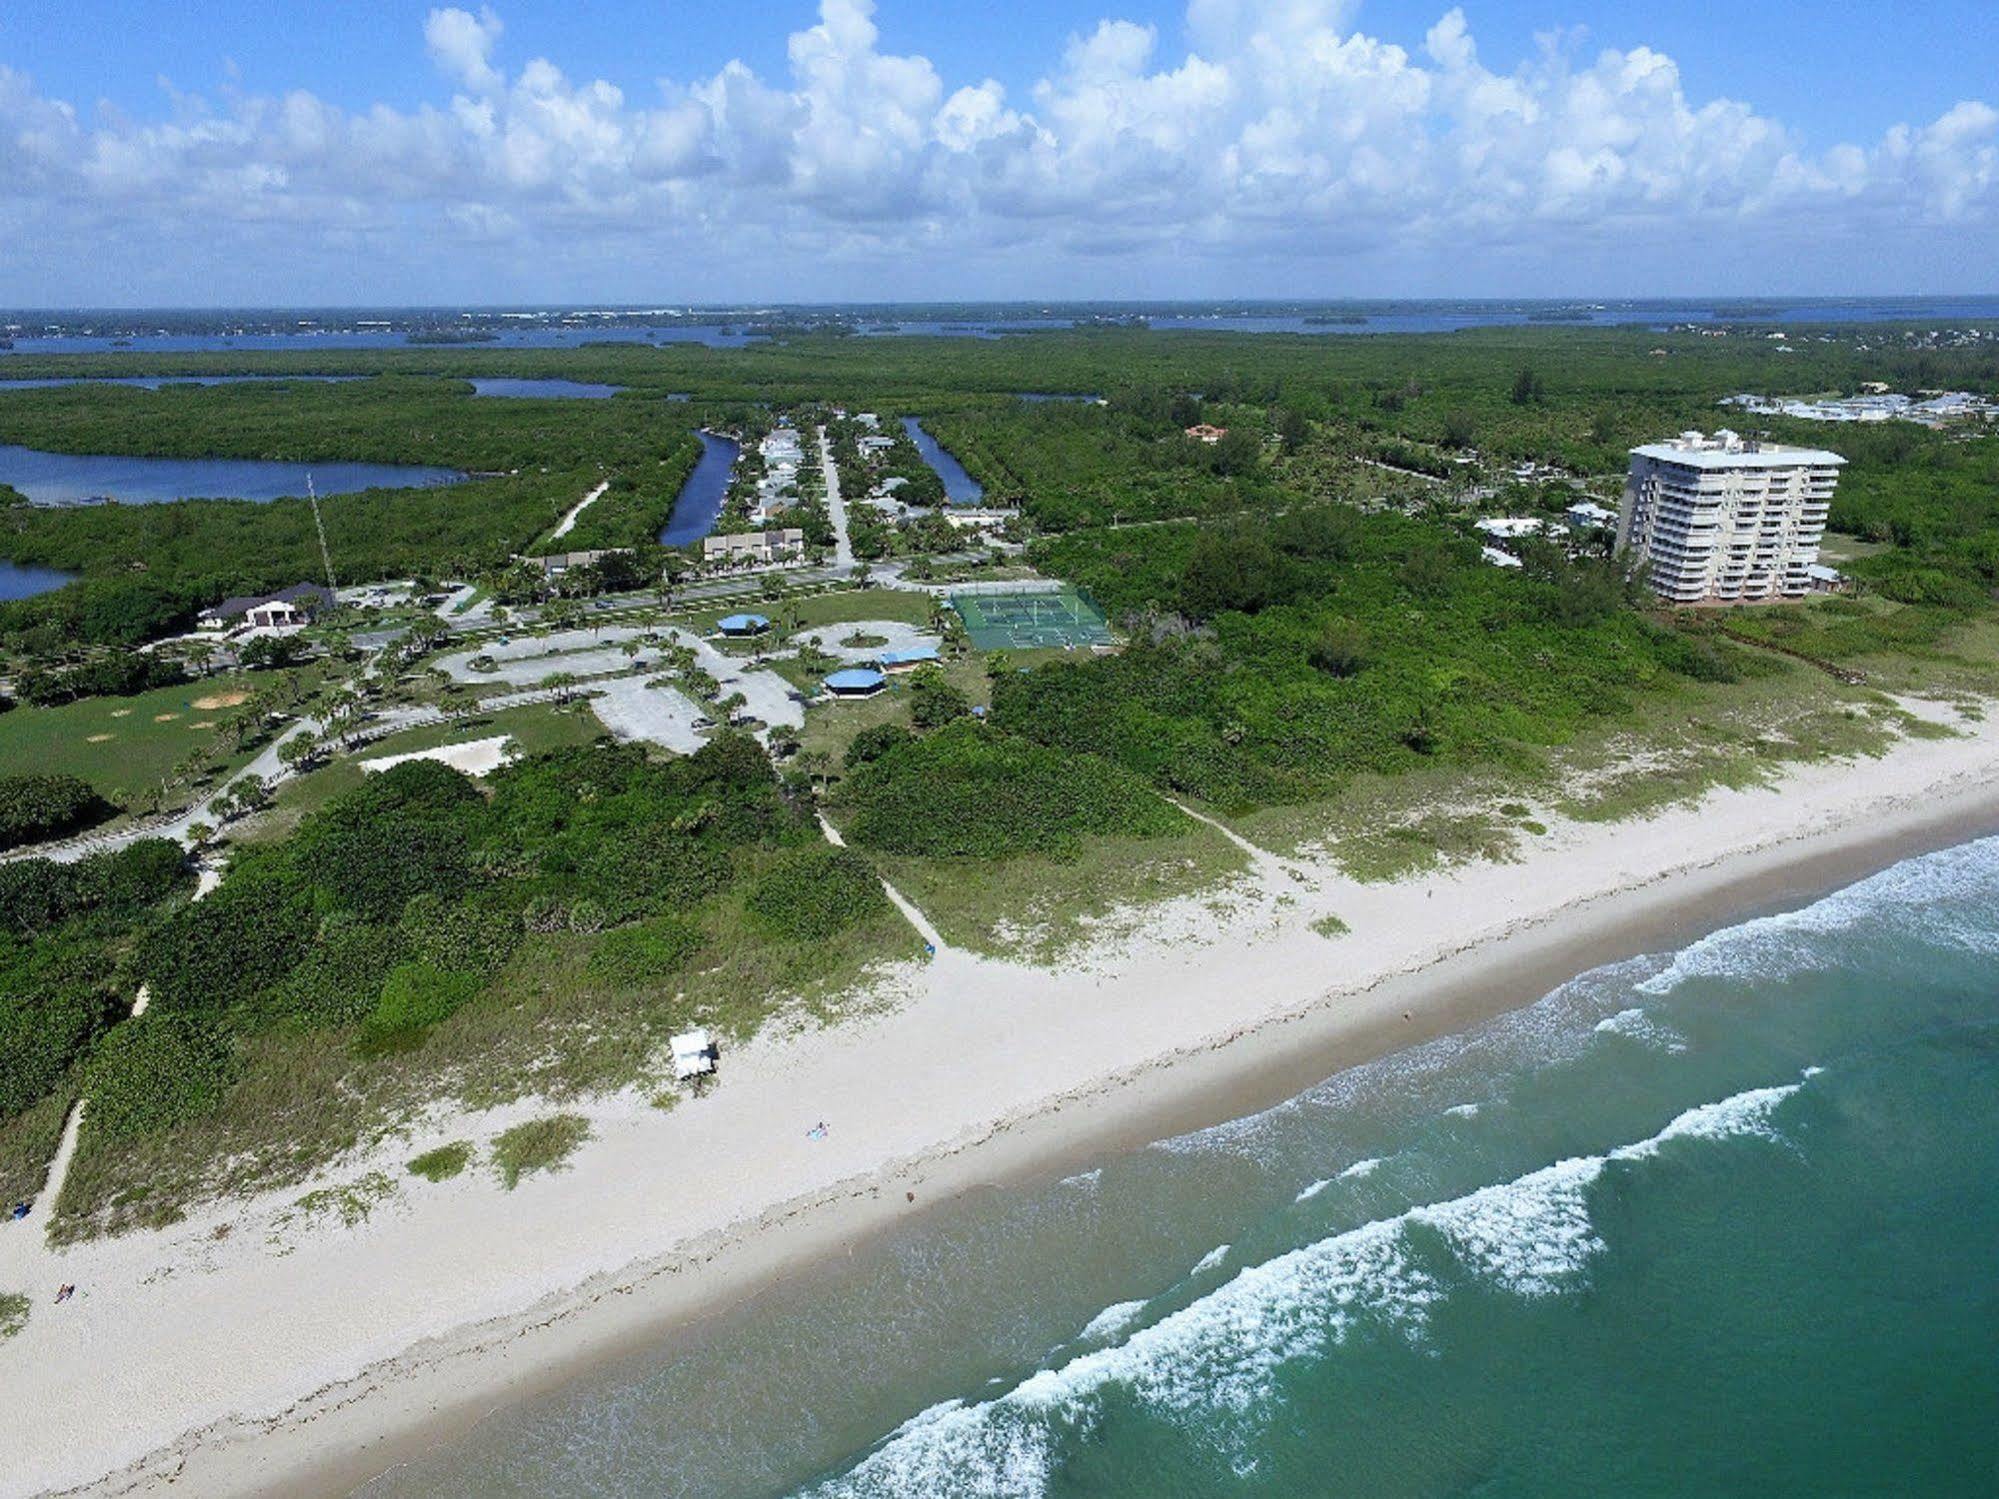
[(1111, 1321), (1943, 898), (1636, 1025), (1217, 1358)]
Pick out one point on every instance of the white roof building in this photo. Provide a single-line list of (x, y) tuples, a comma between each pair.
[(1726, 520), (1510, 527)]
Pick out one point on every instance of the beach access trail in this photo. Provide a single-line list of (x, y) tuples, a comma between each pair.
[(568, 522), (254, 1346)]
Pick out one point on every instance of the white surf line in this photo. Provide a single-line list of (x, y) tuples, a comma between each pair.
[(568, 522), (910, 914)]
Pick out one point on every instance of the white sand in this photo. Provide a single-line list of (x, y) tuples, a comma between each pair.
[(476, 757), (313, 1352)]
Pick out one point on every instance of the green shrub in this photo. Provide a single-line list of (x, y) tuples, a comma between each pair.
[(36, 894), (643, 954), (221, 953), (968, 791), (415, 997), (404, 833), (338, 981), (43, 1033), (470, 938), (154, 1072), (1339, 649), (36, 808), (442, 1163), (538, 1145), (816, 893), (14, 1309), (873, 743), (933, 701)]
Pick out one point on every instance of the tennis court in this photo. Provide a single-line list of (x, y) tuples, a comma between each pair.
[(1031, 621)]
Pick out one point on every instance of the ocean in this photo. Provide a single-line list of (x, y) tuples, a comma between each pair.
[(1717, 1221)]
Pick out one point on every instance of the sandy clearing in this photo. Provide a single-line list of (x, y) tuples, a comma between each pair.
[(476, 757), (233, 698)]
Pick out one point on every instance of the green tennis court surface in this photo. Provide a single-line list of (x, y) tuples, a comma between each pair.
[(1031, 621)]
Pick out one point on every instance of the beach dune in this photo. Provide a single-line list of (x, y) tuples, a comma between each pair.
[(254, 1348)]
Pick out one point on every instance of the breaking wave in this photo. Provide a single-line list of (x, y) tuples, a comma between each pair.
[(1218, 1358), (1111, 1321), (1943, 898), (1636, 1025)]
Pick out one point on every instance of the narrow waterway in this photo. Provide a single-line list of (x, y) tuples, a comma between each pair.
[(700, 499), (960, 488)]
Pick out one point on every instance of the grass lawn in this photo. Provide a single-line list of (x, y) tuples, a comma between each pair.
[(831, 727), (127, 746), (849, 604)]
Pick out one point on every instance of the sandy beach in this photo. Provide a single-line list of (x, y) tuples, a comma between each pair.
[(253, 1349)]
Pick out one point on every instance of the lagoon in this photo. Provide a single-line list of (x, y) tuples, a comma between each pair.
[(699, 502), (960, 488), (23, 580), (558, 390), (71, 478), (155, 382)]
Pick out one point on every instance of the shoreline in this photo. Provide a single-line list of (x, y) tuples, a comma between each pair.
[(1224, 1058)]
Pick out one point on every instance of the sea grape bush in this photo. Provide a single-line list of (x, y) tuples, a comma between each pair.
[(816, 893), (970, 791), (36, 808)]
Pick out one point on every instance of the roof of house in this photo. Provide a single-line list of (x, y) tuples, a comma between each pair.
[(854, 679), (299, 593), (743, 622), (907, 654)]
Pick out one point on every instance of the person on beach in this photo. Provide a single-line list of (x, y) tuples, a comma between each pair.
[(64, 1293)]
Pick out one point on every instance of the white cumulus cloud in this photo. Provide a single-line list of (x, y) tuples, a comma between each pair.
[(1285, 136)]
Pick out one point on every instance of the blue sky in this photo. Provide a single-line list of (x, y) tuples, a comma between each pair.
[(389, 151), (1832, 68)]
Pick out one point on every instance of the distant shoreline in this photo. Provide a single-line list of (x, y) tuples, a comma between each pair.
[(1168, 1043)]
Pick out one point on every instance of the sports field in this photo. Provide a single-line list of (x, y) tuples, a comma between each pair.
[(1031, 621)]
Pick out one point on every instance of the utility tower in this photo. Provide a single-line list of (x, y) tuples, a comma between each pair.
[(325, 556)]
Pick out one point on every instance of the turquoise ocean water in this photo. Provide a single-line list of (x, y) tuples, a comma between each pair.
[(1720, 1221)]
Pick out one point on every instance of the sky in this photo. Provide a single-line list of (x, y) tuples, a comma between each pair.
[(377, 152)]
